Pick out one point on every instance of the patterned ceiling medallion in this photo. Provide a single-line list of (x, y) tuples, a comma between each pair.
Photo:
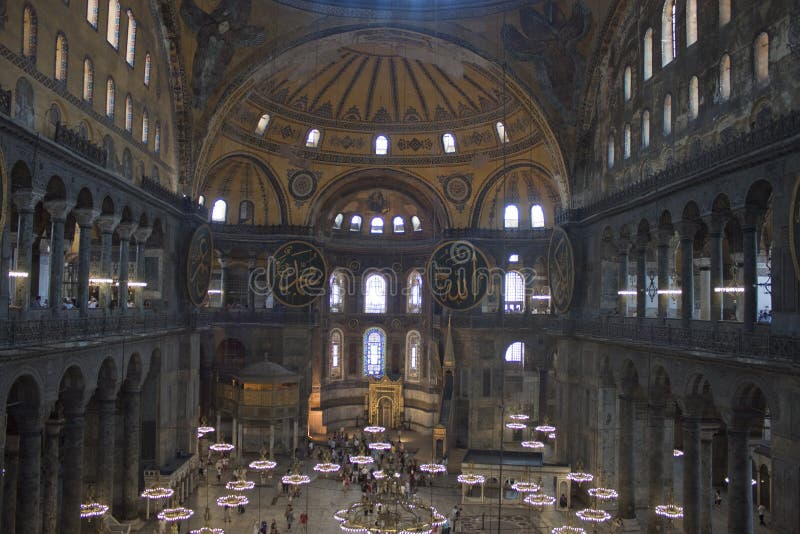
[(457, 188), (302, 184)]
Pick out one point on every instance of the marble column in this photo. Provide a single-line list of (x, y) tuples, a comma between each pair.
[(687, 231), (106, 224), (106, 422), (234, 435), (715, 266), (749, 253), (72, 471), (85, 219), (58, 210), (132, 453), (25, 200), (5, 284), (692, 480), (251, 294), (641, 279), (2, 459), (11, 459), (224, 266), (706, 485), (625, 473), (125, 232), (29, 518), (664, 236), (740, 492), (622, 277), (142, 234), (50, 471), (655, 451)]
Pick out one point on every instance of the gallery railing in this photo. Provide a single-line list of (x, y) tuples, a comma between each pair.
[(210, 316)]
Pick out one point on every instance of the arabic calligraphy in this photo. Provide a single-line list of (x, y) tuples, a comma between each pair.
[(199, 260), (561, 270), (459, 275), (297, 273)]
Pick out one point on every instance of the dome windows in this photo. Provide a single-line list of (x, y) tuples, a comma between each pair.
[(398, 225), (355, 223), (381, 145), (502, 135), (263, 122), (337, 221), (312, 139), (416, 224), (537, 216), (220, 211), (376, 225), (449, 143), (511, 217)]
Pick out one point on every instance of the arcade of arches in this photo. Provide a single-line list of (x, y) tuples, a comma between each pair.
[(628, 171)]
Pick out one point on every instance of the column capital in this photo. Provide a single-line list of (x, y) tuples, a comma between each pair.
[(107, 223), (85, 216), (687, 229), (126, 229), (58, 208), (693, 406), (708, 429), (27, 198), (750, 217), (142, 234), (664, 236), (53, 426), (623, 246)]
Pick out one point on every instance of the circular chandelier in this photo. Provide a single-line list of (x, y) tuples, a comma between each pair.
[(263, 465), (380, 446), (547, 429), (533, 444), (361, 459), (526, 487), (327, 467), (670, 511), (296, 479), (470, 479), (433, 469), (540, 500), (396, 515), (379, 475), (158, 493), (518, 417), (593, 515), (677, 453), (203, 430), (374, 429), (170, 515), (240, 485), (551, 435), (221, 447), (604, 494), (207, 530), (516, 426), (93, 509), (567, 529), (580, 477), (231, 501)]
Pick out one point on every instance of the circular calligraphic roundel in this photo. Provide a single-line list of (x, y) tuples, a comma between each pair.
[(794, 227), (459, 275), (199, 261), (302, 185), (561, 270), (297, 274), (457, 189)]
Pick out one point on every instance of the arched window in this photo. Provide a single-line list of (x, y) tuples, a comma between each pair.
[(502, 134), (645, 129), (669, 48), (761, 54), (201, 200), (375, 294), (220, 211), (627, 83), (610, 150), (694, 97), (263, 122), (147, 66), (668, 115), (312, 139), (30, 29), (515, 351), (246, 211), (514, 292), (129, 113), (626, 146), (111, 97), (413, 350), (724, 12), (145, 127), (416, 224), (381, 145), (414, 300), (157, 139), (449, 143), (511, 217), (337, 286), (131, 48), (725, 77), (691, 22), (112, 30), (537, 216), (398, 225), (337, 221), (335, 352), (62, 50), (355, 223), (376, 225), (88, 80), (374, 352), (92, 9), (647, 67), (513, 258)]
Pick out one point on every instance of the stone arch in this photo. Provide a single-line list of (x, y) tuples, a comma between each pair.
[(71, 391), (133, 372), (107, 207), (758, 195), (23, 402), (84, 199), (55, 190), (107, 378)]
